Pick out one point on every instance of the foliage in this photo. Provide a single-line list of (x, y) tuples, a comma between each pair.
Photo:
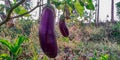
[(102, 57), (19, 10), (14, 48), (99, 36), (78, 5), (118, 9), (26, 24), (114, 33), (5, 56)]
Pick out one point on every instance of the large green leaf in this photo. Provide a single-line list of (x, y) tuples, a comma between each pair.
[(18, 43), (79, 8), (21, 10)]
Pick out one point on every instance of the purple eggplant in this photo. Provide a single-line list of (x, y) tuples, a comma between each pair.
[(62, 26), (47, 33)]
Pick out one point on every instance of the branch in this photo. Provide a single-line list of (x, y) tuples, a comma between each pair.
[(26, 12), (10, 11)]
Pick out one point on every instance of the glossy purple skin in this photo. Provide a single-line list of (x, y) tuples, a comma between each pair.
[(63, 28), (46, 32)]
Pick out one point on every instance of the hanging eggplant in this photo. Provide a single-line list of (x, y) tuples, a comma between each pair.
[(62, 26), (46, 32)]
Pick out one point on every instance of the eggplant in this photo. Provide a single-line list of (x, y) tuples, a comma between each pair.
[(47, 35), (62, 26)]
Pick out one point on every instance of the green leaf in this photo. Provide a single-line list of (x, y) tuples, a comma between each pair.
[(104, 57), (57, 4), (94, 58), (18, 52), (81, 2), (7, 44), (14, 1), (15, 48), (89, 5), (17, 10), (118, 4), (70, 10), (21, 10), (5, 56), (79, 8), (65, 39), (20, 40), (71, 5), (68, 1), (35, 55), (18, 43)]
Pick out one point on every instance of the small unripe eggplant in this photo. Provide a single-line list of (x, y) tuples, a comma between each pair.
[(47, 33), (62, 26)]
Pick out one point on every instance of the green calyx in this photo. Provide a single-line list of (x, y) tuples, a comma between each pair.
[(48, 1), (49, 5), (62, 17)]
